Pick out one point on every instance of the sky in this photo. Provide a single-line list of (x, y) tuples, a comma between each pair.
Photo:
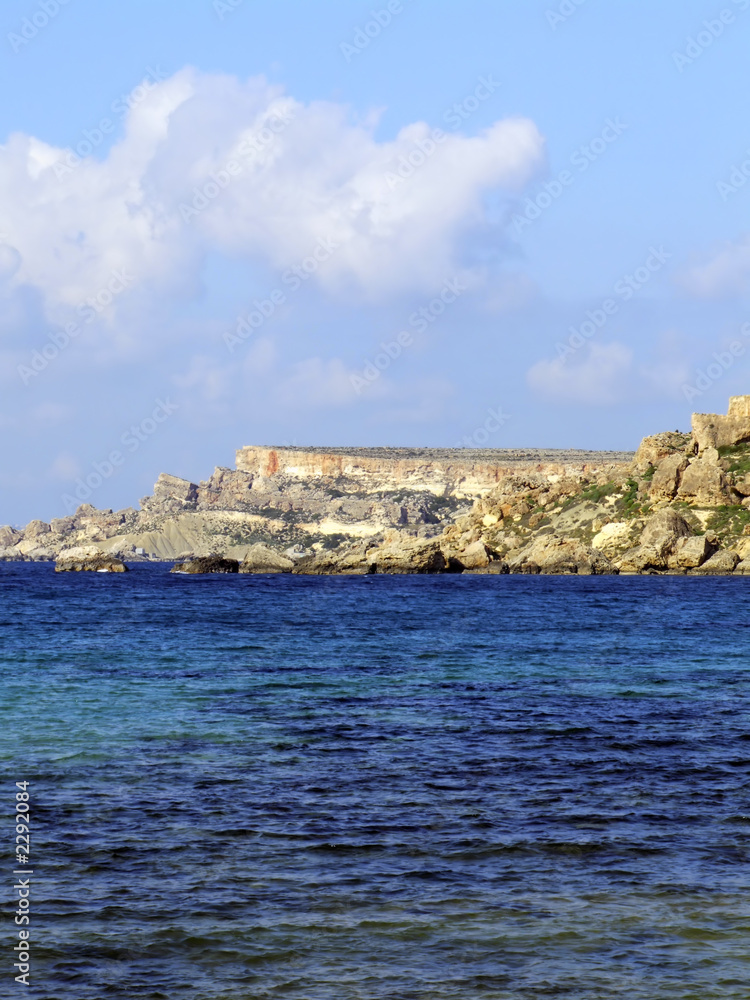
[(495, 224)]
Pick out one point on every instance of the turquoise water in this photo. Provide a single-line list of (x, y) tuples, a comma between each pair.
[(379, 787)]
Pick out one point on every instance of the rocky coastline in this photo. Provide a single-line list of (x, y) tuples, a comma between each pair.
[(679, 505)]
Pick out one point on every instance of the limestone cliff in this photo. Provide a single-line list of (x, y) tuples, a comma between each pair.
[(680, 504), (715, 430), (304, 500)]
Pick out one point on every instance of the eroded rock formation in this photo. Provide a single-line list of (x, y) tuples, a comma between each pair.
[(715, 430)]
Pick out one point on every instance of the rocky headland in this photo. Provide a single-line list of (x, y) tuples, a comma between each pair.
[(679, 504)]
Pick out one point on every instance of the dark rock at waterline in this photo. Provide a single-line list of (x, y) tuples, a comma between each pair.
[(207, 564)]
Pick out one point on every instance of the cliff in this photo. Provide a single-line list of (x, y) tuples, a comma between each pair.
[(465, 473), (679, 504), (303, 499)]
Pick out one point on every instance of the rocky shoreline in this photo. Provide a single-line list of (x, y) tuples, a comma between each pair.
[(679, 505)]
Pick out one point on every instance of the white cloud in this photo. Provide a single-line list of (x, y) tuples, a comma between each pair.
[(726, 273), (420, 401), (204, 379), (599, 378), (318, 177), (317, 384)]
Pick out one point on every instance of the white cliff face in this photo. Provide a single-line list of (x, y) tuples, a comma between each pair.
[(461, 471)]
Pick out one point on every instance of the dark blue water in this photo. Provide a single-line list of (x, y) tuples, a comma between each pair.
[(379, 787)]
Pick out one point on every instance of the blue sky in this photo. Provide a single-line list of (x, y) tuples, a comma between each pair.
[(506, 224)]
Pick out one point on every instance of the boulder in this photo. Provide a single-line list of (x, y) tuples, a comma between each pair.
[(658, 539), (474, 556), (666, 480), (207, 564), (724, 561), (663, 529), (9, 536), (62, 525), (690, 553), (398, 554), (743, 567), (261, 558), (642, 559), (704, 482), (408, 555), (616, 537), (554, 554), (346, 560), (36, 528)]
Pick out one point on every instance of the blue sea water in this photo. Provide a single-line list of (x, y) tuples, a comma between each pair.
[(378, 787)]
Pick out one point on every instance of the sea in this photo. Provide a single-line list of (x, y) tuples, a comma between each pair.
[(355, 788)]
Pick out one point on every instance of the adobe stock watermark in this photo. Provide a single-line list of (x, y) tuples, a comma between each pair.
[(89, 310), (710, 30), (292, 279), (224, 7), (624, 289), (582, 159), (366, 33), (706, 377), (248, 151), (22, 885), (131, 441), (419, 321), (738, 178), (455, 116), (479, 437), (92, 138), (563, 12), (31, 26)]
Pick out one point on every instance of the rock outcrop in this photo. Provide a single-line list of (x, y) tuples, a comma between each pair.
[(88, 560), (263, 559), (658, 542), (715, 430), (9, 537), (207, 564), (703, 481), (656, 447), (395, 554), (667, 476), (721, 563), (552, 554)]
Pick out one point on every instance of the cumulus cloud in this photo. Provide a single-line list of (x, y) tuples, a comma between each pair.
[(208, 163), (598, 378), (726, 273)]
